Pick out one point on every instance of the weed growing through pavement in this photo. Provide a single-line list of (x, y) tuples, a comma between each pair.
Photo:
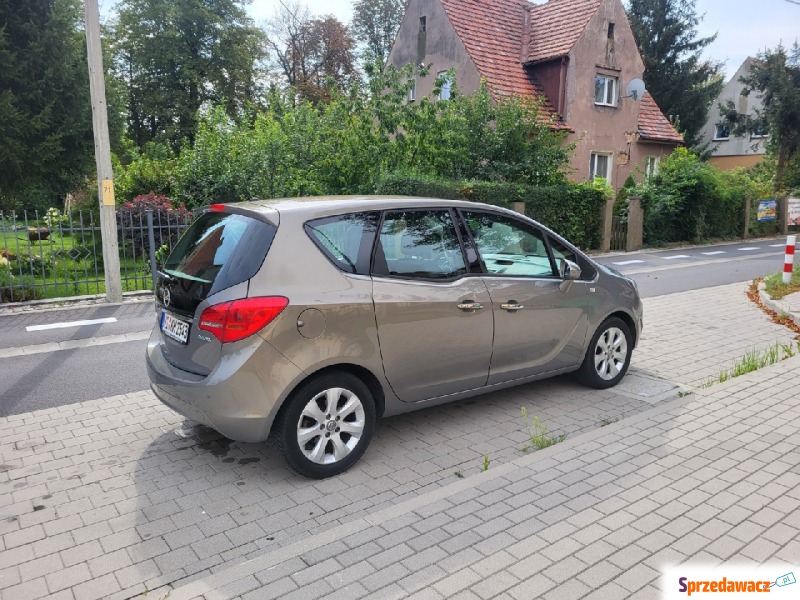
[(485, 466), (537, 431), (459, 474), (754, 360), (606, 421), (682, 394)]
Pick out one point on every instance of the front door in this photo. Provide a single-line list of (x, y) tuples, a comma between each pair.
[(434, 319), (540, 324)]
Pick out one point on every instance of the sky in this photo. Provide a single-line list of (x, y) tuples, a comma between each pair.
[(744, 27)]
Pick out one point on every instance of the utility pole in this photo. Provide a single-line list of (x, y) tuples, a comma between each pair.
[(102, 153)]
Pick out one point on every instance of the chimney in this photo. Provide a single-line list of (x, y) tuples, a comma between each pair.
[(526, 33)]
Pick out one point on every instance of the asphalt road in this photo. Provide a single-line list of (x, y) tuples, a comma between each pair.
[(107, 358)]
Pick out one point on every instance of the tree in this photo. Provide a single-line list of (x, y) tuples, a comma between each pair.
[(311, 53), (683, 85), (775, 76), (176, 56), (375, 24), (46, 145)]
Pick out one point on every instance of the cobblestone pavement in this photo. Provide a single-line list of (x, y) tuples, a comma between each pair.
[(102, 500)]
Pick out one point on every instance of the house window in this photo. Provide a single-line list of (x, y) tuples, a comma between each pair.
[(605, 90), (650, 166), (412, 91), (611, 31), (722, 131), (759, 131), (447, 85), (600, 166), (423, 24)]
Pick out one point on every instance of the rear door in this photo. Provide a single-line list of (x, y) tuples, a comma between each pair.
[(434, 317), (539, 325), (211, 263)]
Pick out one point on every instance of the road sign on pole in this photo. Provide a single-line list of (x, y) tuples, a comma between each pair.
[(102, 153)]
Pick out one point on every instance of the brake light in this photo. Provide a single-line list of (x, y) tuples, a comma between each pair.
[(234, 321), (217, 208)]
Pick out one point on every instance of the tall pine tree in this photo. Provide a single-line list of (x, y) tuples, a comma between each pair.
[(46, 144), (682, 84)]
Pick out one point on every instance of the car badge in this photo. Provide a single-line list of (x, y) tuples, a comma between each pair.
[(165, 295)]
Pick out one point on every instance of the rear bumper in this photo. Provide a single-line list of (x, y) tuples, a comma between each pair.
[(239, 398)]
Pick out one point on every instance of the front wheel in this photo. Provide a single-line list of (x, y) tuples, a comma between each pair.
[(326, 425), (608, 355)]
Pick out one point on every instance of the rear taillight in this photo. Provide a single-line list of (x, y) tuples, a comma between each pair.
[(234, 321)]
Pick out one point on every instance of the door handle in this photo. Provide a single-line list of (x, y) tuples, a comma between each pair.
[(512, 306), (470, 306)]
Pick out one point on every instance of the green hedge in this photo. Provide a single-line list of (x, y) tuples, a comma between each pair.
[(571, 210)]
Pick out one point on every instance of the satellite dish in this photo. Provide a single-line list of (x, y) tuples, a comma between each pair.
[(635, 88)]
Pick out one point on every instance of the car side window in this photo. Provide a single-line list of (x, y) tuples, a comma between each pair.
[(346, 239), (509, 247), (420, 244)]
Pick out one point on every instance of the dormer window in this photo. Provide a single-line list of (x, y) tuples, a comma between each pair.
[(605, 90)]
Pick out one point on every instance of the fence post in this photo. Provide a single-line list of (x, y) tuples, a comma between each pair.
[(635, 224), (152, 243), (748, 204), (608, 218)]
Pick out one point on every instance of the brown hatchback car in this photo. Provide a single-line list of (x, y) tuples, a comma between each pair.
[(312, 317)]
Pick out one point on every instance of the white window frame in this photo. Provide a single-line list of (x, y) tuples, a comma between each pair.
[(717, 135), (447, 86), (610, 84), (651, 166), (593, 174)]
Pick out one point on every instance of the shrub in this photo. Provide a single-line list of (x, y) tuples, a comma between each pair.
[(132, 222), (18, 289)]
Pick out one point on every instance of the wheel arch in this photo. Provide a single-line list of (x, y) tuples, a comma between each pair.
[(362, 373)]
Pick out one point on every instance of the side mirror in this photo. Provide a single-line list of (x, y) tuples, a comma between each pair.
[(568, 270)]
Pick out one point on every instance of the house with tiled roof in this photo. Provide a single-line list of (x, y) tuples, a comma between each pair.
[(575, 56), (729, 150)]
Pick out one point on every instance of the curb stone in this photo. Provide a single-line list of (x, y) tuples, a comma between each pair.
[(776, 305)]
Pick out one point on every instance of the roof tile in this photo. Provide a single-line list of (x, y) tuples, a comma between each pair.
[(653, 125), (556, 26)]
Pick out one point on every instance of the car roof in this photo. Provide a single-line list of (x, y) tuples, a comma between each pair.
[(326, 205)]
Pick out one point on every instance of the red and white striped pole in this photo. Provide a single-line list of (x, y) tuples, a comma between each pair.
[(791, 240)]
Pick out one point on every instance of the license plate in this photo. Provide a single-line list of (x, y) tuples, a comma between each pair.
[(173, 327)]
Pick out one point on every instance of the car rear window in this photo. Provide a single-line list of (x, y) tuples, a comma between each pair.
[(346, 239), (220, 250)]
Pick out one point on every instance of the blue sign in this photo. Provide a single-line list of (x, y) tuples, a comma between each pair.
[(767, 210)]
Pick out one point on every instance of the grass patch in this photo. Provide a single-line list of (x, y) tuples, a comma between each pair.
[(485, 466), (754, 360), (537, 432), (777, 289)]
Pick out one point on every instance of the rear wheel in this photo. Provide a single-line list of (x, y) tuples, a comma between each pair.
[(608, 355), (326, 425)]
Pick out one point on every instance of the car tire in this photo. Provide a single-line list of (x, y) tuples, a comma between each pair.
[(326, 425), (608, 355)]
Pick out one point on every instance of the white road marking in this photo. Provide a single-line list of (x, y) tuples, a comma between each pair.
[(675, 256), (70, 324), (628, 262), (749, 248), (713, 253), (777, 245), (73, 344)]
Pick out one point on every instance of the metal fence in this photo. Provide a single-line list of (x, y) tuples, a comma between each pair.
[(54, 256)]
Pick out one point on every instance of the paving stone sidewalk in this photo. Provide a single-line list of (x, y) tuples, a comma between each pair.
[(102, 500), (704, 479)]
